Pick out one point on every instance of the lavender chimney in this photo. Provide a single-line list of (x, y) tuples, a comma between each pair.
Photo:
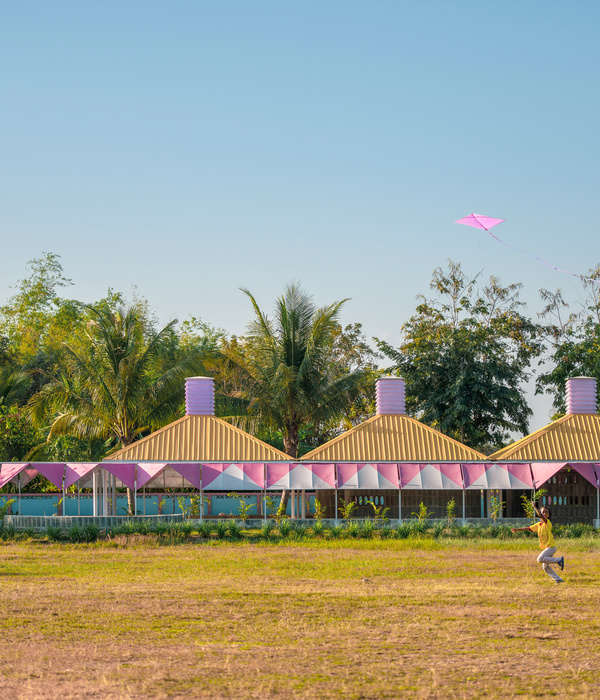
[(390, 396), (199, 396), (581, 395)]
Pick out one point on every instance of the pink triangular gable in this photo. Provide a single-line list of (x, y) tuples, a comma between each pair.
[(452, 475), (125, 472), (190, 472), (474, 475), (302, 477), (146, 471), (587, 472), (347, 476), (367, 476), (76, 471), (278, 475), (410, 475), (323, 475), (388, 475), (519, 475), (10, 470), (542, 471), (254, 473), (27, 475), (53, 471), (233, 477), (211, 473)]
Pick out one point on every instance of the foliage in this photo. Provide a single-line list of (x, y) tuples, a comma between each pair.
[(575, 340), (451, 512), (287, 369), (319, 513), (17, 435), (5, 507), (465, 358), (192, 510), (422, 514), (496, 508), (244, 507), (346, 509), (379, 513), (528, 503)]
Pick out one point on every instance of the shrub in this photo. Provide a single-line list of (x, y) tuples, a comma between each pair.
[(336, 531), (266, 530), (221, 529), (318, 529), (205, 529), (55, 534), (367, 528), (285, 527), (353, 530), (403, 531)]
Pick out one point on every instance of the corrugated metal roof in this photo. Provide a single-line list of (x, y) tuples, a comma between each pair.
[(393, 438), (199, 439), (573, 437)]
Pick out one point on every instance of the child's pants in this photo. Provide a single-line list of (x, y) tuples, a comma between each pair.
[(546, 558)]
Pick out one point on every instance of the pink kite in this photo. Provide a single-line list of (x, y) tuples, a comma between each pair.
[(488, 222)]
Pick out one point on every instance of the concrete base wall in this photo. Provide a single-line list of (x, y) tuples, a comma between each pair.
[(43, 522)]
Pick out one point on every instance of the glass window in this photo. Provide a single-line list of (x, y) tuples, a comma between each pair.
[(554, 500), (576, 501), (560, 500), (553, 479)]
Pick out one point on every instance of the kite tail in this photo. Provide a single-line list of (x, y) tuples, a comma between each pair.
[(553, 267)]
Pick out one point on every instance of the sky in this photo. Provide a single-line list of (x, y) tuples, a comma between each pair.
[(188, 149)]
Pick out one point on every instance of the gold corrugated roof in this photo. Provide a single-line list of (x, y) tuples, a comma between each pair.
[(573, 437), (199, 439), (393, 438)]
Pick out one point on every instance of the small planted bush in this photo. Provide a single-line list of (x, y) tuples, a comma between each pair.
[(205, 529), (285, 527), (403, 531), (55, 533)]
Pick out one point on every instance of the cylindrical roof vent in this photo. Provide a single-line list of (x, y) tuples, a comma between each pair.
[(199, 396), (581, 395), (390, 396)]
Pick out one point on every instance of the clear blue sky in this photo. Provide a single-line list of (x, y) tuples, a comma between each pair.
[(190, 148)]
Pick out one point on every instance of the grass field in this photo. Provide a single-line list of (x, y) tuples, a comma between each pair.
[(347, 619)]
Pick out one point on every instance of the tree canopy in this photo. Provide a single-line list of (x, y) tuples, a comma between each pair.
[(465, 357)]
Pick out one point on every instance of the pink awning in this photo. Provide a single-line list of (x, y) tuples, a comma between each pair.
[(368, 476), (190, 472), (147, 471), (76, 471), (497, 476), (308, 477), (233, 477), (124, 471), (10, 470), (53, 471), (519, 475), (441, 476), (278, 475), (587, 471), (542, 471)]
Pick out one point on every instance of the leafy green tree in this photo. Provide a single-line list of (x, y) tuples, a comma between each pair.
[(287, 368), (465, 358), (574, 338), (108, 388), (17, 435)]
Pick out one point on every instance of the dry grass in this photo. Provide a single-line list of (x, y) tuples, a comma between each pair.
[(336, 620)]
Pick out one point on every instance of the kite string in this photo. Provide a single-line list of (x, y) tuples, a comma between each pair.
[(553, 267)]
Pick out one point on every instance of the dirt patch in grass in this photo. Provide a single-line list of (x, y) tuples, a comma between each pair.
[(376, 620)]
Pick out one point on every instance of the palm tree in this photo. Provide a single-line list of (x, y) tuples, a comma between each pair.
[(289, 364), (116, 383)]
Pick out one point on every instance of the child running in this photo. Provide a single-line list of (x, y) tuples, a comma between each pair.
[(547, 544)]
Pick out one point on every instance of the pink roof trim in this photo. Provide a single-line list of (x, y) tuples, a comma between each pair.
[(76, 471)]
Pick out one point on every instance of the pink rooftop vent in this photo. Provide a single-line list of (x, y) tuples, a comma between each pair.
[(390, 396), (581, 395), (199, 396)]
